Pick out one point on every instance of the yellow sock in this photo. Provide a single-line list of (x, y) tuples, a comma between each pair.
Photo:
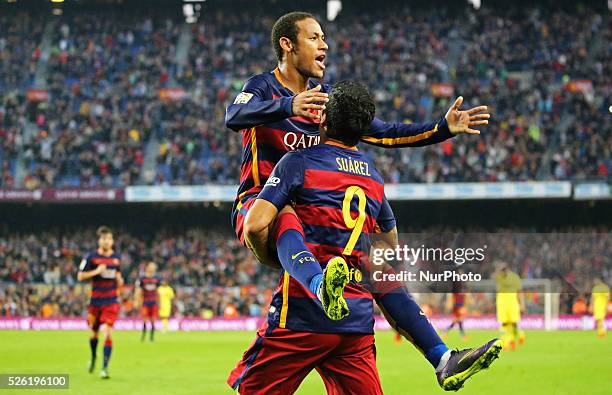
[(506, 336), (165, 325), (601, 328)]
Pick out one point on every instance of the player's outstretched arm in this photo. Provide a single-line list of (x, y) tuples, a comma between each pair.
[(456, 121), (462, 121)]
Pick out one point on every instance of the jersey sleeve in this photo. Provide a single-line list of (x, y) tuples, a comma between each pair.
[(286, 178), (254, 106), (386, 134), (86, 265), (385, 220)]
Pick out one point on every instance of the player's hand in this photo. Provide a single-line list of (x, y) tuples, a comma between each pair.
[(463, 121), (310, 103), (101, 268)]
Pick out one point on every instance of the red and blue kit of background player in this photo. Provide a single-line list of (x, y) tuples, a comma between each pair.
[(149, 287), (103, 305)]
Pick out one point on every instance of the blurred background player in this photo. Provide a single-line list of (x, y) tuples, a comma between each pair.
[(457, 303), (102, 268), (166, 294), (146, 298), (510, 302), (600, 295)]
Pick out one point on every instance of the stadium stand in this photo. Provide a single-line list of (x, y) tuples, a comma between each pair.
[(212, 270), (105, 124)]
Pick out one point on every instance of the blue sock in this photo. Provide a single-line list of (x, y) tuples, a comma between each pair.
[(93, 345), (435, 353), (315, 283), (297, 260), (108, 348), (410, 319)]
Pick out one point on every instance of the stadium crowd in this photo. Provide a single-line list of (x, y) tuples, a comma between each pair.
[(104, 75), (214, 275), (105, 72), (19, 56)]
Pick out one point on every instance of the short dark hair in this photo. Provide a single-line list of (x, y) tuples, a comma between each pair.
[(103, 230), (286, 26), (349, 112)]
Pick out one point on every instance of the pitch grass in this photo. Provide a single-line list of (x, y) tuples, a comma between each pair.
[(198, 363)]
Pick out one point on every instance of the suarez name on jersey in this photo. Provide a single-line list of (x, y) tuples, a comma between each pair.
[(339, 197)]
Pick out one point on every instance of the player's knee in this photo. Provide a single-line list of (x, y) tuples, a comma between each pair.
[(287, 219)]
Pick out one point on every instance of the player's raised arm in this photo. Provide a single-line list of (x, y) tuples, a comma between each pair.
[(253, 108), (456, 121)]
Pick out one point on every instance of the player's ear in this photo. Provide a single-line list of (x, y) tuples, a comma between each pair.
[(323, 122), (286, 44)]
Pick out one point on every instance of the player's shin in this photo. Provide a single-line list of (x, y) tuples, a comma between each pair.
[(108, 349), (93, 345), (297, 260), (601, 328), (410, 320), (461, 330)]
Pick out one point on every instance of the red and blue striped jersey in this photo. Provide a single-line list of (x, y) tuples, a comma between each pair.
[(458, 295), (339, 196), (458, 299), (263, 112), (149, 287), (103, 286)]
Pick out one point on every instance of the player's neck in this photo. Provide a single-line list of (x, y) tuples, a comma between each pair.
[(105, 252), (337, 143), (291, 78)]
